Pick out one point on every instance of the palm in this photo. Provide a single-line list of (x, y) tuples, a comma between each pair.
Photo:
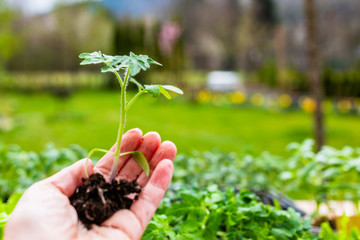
[(45, 206)]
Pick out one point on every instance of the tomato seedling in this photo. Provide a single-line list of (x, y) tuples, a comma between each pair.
[(128, 66)]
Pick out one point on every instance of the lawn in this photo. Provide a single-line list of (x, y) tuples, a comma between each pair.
[(90, 119)]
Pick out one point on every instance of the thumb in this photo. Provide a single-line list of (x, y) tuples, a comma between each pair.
[(69, 178)]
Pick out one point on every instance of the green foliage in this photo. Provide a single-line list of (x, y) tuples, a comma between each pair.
[(6, 209), (190, 213), (136, 63), (341, 83), (19, 169), (328, 233), (229, 169), (45, 81), (328, 174), (9, 39), (141, 160), (155, 90), (213, 214)]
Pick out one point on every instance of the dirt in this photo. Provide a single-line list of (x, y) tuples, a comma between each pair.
[(321, 219), (97, 200)]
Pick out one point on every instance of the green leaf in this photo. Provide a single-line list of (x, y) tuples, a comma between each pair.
[(12, 201), (136, 62), (132, 80), (92, 58), (141, 160), (87, 61), (164, 92), (173, 89), (84, 55), (331, 173), (281, 233), (153, 90), (107, 69)]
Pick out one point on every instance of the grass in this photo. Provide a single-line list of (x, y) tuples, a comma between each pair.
[(90, 119)]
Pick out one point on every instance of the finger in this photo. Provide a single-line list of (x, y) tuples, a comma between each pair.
[(70, 177), (131, 170), (152, 194), (167, 150), (130, 142), (125, 221)]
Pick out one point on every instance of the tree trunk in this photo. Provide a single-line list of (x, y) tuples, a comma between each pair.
[(313, 72)]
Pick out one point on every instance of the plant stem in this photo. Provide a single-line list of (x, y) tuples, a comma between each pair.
[(119, 78), (90, 154), (133, 100), (121, 124)]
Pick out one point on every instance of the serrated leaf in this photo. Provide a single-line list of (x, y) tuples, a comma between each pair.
[(84, 55), (92, 58), (107, 69), (96, 54), (153, 90), (164, 92), (109, 58), (141, 160), (89, 61), (137, 62), (173, 89)]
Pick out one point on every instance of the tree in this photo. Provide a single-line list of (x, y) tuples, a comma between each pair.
[(313, 72), (9, 40)]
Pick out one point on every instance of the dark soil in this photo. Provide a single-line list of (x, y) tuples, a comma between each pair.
[(321, 219), (97, 200)]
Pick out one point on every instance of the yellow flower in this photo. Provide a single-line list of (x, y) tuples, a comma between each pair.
[(344, 106), (204, 96), (285, 100), (308, 104), (257, 99), (238, 97)]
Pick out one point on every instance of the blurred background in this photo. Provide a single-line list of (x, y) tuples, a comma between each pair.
[(257, 74), (267, 85)]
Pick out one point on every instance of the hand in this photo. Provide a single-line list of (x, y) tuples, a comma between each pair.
[(44, 211)]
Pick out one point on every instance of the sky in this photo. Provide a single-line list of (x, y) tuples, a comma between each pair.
[(32, 7), (118, 7), (137, 7)]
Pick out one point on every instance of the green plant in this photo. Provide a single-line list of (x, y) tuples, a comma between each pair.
[(130, 66), (211, 214), (329, 234), (330, 174), (19, 168), (229, 170), (6, 209)]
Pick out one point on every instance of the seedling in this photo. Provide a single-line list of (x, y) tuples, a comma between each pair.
[(128, 67)]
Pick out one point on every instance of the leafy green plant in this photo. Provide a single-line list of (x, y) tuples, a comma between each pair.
[(331, 174), (19, 168), (229, 170), (130, 66), (191, 213), (329, 234), (6, 209)]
